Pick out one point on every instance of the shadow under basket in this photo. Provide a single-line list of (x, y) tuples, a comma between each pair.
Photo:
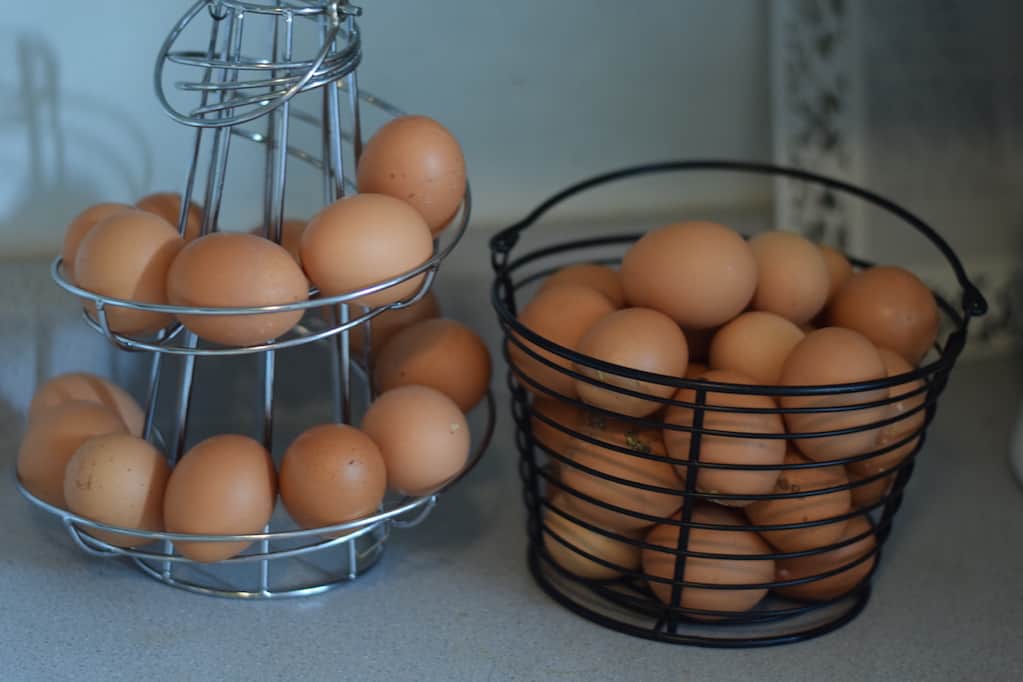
[(621, 531)]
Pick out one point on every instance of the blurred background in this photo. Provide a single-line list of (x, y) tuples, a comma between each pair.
[(921, 100)]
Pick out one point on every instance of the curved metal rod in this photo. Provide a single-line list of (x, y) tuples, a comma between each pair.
[(352, 529), (350, 57)]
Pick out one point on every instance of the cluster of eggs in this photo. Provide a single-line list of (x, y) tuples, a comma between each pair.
[(695, 300), (83, 451), (411, 178)]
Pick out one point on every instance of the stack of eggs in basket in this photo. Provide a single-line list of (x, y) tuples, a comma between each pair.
[(83, 450), (745, 321)]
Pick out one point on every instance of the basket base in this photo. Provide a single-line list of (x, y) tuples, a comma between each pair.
[(312, 579), (761, 633)]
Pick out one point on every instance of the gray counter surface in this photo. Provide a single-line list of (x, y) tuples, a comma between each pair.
[(453, 600)]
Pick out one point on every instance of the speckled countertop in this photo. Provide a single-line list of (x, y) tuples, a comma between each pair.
[(453, 600)]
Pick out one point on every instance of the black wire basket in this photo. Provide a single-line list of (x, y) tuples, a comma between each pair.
[(705, 575)]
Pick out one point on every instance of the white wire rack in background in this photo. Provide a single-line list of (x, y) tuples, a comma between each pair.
[(232, 90)]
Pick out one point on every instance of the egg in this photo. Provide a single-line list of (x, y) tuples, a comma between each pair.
[(362, 240), (807, 509), (797, 568), (117, 479), (87, 387), (737, 450), (224, 485), (909, 422), (422, 435), (232, 269), (635, 338), (732, 574), (388, 323), (167, 205), (565, 414), (600, 277), (839, 269), (417, 160), (558, 530), (127, 256), (633, 470), (561, 315), (755, 344), (868, 495), (330, 474), (80, 226), (443, 354), (792, 277), (700, 274), (891, 307), (52, 439), (830, 356), (291, 237)]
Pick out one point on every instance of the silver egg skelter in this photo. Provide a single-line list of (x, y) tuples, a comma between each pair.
[(235, 90)]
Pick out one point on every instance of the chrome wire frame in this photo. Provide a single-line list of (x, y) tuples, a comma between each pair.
[(356, 545)]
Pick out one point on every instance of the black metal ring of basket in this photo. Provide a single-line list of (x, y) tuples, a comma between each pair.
[(625, 603)]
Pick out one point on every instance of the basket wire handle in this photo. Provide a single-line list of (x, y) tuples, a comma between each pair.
[(973, 302)]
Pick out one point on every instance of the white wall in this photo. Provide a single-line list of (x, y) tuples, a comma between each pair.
[(540, 93)]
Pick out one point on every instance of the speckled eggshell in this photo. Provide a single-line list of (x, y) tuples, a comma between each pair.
[(51, 441), (417, 160), (119, 480), (422, 435)]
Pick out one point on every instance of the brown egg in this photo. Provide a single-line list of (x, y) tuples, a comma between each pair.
[(700, 274), (233, 269), (89, 388), (696, 370), (417, 160), (127, 256), (331, 474), (51, 441), (600, 277), (722, 540), (291, 237), (117, 479), (782, 511), (755, 344), (443, 354), (630, 468), (225, 485), (561, 314), (362, 240), (566, 414), (422, 435), (80, 226), (891, 307), (698, 341), (623, 556), (839, 269), (796, 568), (792, 277), (907, 425), (833, 356), (868, 495), (635, 338), (388, 323), (167, 205), (728, 449)]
